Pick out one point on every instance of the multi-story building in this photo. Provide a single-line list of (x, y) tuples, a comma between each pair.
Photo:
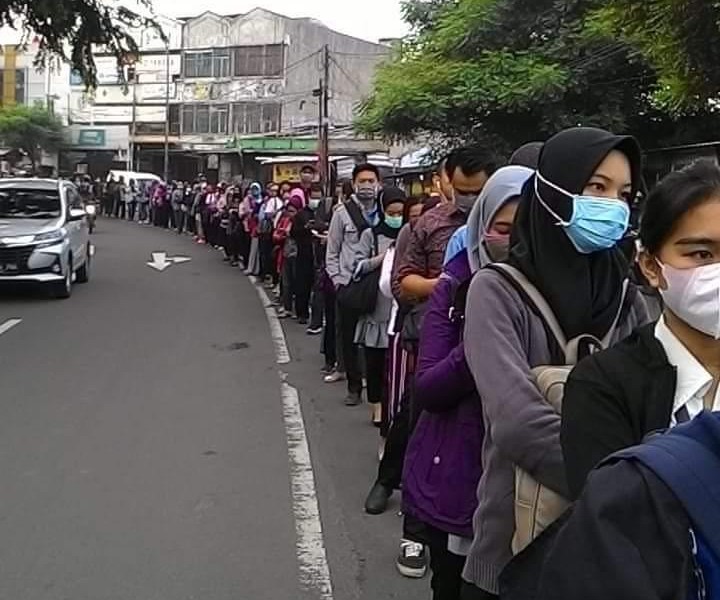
[(220, 80)]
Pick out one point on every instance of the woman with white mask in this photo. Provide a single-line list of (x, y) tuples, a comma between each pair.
[(665, 373)]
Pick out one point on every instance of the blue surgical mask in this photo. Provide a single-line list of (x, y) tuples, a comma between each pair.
[(314, 203), (596, 223), (394, 222)]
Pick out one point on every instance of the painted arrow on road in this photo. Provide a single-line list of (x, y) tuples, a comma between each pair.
[(161, 261)]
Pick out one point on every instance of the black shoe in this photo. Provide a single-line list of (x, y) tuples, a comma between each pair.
[(353, 399), (377, 499), (302, 321)]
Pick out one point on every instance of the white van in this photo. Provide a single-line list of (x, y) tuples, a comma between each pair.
[(140, 178)]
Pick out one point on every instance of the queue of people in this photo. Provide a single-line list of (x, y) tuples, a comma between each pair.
[(542, 372)]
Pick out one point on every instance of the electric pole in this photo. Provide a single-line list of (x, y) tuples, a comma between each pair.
[(323, 94), (166, 153)]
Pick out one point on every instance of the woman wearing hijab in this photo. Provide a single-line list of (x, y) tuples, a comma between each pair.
[(288, 254), (253, 204), (372, 329), (443, 459), (572, 215)]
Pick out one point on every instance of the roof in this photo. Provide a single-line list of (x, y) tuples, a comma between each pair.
[(30, 183)]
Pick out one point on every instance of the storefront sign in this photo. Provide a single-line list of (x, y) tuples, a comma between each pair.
[(91, 137)]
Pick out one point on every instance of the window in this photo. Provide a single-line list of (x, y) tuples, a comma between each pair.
[(221, 63), (174, 119), (20, 86), (259, 61), (208, 63), (256, 117), (203, 118), (198, 64), (219, 119)]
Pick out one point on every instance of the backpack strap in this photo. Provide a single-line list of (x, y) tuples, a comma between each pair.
[(356, 216), (532, 294)]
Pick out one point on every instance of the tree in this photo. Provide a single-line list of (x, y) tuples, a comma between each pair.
[(503, 72), (679, 39), (30, 129), (73, 29)]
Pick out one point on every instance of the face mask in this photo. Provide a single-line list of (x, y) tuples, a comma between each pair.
[(314, 203), (596, 223), (394, 222), (465, 202), (694, 296), (497, 246), (366, 193)]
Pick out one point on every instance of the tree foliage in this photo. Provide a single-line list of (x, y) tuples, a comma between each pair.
[(678, 37), (30, 129), (509, 71), (73, 29)]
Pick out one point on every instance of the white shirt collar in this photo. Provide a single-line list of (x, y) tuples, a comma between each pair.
[(693, 380)]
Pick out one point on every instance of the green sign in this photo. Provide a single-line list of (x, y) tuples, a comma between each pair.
[(91, 137), (270, 144)]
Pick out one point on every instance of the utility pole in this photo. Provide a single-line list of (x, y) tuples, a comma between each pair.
[(132, 76), (323, 94), (166, 157)]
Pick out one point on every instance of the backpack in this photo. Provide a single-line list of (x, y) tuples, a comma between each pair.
[(691, 469), (537, 506)]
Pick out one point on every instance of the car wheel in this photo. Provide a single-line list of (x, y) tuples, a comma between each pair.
[(83, 273), (63, 289)]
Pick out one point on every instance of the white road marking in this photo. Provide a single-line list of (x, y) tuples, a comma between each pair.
[(161, 261), (310, 544), (9, 324), (276, 331)]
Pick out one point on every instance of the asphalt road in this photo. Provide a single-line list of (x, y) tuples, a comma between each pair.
[(143, 453)]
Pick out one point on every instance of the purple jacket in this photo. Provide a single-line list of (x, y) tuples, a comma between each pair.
[(443, 458)]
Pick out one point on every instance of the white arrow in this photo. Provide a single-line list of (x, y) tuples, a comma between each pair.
[(159, 261), (162, 261)]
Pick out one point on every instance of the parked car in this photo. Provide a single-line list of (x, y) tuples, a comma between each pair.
[(44, 234)]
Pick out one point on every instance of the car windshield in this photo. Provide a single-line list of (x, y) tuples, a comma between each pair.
[(24, 203)]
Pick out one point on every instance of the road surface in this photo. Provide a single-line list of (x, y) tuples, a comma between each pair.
[(148, 449)]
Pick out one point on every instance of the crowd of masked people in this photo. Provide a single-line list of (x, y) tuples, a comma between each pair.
[(539, 343), (538, 340)]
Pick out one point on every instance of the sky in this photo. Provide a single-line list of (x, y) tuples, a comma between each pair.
[(368, 19)]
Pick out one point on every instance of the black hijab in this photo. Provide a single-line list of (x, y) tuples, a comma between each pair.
[(389, 195), (584, 290)]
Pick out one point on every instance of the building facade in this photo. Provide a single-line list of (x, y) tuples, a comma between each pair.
[(219, 80)]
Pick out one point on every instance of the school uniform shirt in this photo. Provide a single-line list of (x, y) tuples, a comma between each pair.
[(693, 381)]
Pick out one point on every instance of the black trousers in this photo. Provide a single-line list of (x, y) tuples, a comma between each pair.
[(330, 336), (375, 374), (347, 321), (304, 278), (132, 207), (180, 220), (446, 567), (470, 592)]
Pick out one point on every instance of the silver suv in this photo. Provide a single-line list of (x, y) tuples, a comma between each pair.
[(44, 234)]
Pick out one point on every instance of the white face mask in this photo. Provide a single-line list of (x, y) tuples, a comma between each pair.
[(694, 296)]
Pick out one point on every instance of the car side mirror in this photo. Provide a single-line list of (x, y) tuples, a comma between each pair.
[(76, 214)]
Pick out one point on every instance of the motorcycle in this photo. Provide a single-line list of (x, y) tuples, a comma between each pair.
[(91, 212)]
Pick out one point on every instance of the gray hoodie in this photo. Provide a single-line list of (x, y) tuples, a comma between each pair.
[(504, 340)]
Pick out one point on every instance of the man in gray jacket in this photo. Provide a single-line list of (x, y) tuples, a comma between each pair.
[(343, 248)]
